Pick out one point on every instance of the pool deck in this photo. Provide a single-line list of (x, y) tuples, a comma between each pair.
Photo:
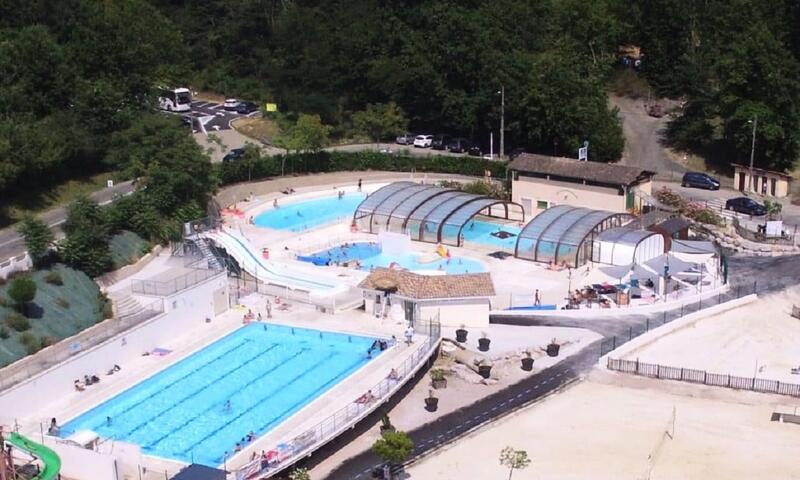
[(72, 403)]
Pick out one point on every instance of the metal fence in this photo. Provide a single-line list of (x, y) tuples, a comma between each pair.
[(31, 365), (691, 375), (163, 288), (288, 452), (735, 291)]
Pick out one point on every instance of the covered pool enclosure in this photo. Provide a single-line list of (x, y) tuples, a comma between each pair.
[(624, 246), (429, 213), (566, 235)]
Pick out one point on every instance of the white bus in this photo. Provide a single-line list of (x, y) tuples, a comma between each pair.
[(175, 100)]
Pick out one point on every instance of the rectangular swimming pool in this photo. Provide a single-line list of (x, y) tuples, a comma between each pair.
[(249, 381), (302, 215)]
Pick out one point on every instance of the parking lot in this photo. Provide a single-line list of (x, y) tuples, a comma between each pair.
[(212, 117)]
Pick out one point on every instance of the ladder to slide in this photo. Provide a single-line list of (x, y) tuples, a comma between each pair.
[(213, 261)]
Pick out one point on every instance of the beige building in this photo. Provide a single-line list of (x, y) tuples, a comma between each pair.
[(539, 182), (455, 299), (768, 183)]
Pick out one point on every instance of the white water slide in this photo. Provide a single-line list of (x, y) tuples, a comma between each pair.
[(281, 274)]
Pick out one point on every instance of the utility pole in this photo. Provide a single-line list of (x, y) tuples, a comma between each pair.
[(752, 149), (502, 93)]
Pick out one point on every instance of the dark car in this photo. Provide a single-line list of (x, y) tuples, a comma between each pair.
[(440, 142), (459, 145), (699, 180), (246, 108), (233, 155), (474, 151), (745, 205)]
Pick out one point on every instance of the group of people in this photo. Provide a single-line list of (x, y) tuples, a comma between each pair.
[(378, 344), (87, 381), (249, 438)]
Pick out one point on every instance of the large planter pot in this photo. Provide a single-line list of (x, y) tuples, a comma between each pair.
[(437, 384), (552, 349), (483, 344), (527, 364), (461, 335), (431, 404), (485, 371)]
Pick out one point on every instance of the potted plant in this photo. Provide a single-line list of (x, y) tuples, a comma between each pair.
[(527, 361), (437, 378), (553, 348), (485, 369), (393, 448), (461, 334), (431, 403), (386, 425), (483, 342)]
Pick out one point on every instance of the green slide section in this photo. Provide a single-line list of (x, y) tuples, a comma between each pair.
[(51, 461)]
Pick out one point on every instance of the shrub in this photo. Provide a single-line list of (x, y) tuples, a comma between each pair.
[(53, 278), (4, 302), (299, 474), (4, 333), (31, 343), (105, 305), (437, 374), (46, 341), (668, 197), (17, 322), (62, 302), (393, 447), (22, 290)]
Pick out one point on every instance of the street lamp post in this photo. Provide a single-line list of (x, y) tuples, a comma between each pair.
[(754, 121), (502, 93)]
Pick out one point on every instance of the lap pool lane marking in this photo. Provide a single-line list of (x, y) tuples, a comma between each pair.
[(202, 388), (259, 376), (260, 401), (234, 348)]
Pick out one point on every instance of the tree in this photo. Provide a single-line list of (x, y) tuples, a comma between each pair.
[(380, 121), (22, 291), (299, 474), (308, 133), (38, 237), (393, 447), (86, 245), (514, 460)]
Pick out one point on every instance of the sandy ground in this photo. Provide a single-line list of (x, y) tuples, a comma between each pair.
[(409, 413), (597, 430), (759, 339)]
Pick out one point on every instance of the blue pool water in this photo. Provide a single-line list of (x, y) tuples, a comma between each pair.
[(369, 255), (266, 372), (302, 215), (478, 231)]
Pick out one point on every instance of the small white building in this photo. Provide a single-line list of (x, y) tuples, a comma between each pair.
[(455, 299), (624, 246)]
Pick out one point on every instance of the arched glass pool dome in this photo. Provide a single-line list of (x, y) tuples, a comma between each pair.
[(565, 234), (429, 213)]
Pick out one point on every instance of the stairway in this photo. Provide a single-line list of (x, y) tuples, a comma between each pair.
[(124, 305), (213, 261)]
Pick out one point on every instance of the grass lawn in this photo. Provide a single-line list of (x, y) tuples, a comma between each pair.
[(36, 201), (262, 129), (57, 311)]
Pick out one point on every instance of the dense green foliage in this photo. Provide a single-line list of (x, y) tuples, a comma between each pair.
[(87, 234), (393, 447), (22, 291), (337, 161), (38, 238)]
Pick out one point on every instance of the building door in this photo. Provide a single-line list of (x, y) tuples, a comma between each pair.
[(629, 199), (763, 185), (527, 205), (409, 311), (742, 185), (772, 186)]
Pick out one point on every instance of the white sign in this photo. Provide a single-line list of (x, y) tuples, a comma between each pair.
[(774, 228), (583, 153)]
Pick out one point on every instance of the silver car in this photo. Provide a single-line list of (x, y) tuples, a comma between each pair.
[(406, 139)]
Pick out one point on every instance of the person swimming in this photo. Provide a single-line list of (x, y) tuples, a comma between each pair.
[(228, 403)]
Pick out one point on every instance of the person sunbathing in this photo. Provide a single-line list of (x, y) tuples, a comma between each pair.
[(393, 375), (366, 398), (79, 386)]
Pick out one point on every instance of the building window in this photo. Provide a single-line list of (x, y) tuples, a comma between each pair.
[(541, 204)]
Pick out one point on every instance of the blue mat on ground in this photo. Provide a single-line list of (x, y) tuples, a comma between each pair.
[(533, 307)]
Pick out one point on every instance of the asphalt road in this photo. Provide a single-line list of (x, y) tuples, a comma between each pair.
[(11, 242), (212, 116)]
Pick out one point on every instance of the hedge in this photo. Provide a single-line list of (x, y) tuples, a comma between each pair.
[(336, 161)]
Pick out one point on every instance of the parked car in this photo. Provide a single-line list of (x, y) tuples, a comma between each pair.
[(745, 205), (474, 151), (459, 145), (699, 180), (423, 141), (405, 139), (515, 153), (233, 155), (440, 142), (231, 103), (246, 108)]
